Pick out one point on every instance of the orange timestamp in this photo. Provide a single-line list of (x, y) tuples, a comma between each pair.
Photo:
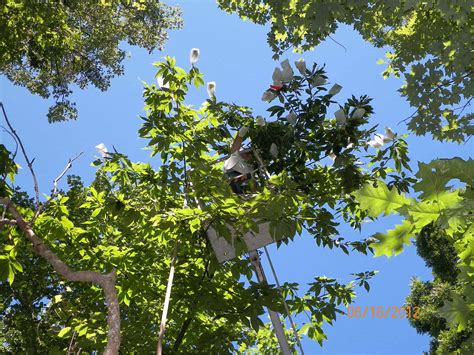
[(383, 312)]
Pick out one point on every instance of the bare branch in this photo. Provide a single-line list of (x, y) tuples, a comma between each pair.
[(60, 176), (55, 185), (332, 39), (14, 139), (106, 281), (28, 161), (71, 344), (462, 108)]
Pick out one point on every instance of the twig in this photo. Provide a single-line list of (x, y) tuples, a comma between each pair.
[(71, 343), (413, 114), (468, 103), (60, 176), (28, 161), (106, 281), (332, 39), (14, 139), (55, 186)]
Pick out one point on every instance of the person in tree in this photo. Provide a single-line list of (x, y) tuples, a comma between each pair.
[(239, 167)]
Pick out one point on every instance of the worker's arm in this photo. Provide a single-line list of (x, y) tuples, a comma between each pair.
[(237, 144)]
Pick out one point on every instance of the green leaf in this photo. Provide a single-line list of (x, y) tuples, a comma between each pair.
[(304, 329), (126, 300), (11, 274), (393, 241), (457, 312), (57, 298), (66, 223), (317, 334), (423, 213), (64, 332), (378, 200), (96, 212), (435, 175), (194, 225), (17, 266)]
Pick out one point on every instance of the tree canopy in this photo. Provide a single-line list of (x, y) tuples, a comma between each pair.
[(439, 253), (85, 269), (429, 45), (50, 47), (128, 221)]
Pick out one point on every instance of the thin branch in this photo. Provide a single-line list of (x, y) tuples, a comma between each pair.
[(183, 330), (28, 161), (106, 281), (413, 114), (287, 310), (14, 139), (462, 108), (332, 39), (60, 176), (68, 166), (191, 312), (71, 343)]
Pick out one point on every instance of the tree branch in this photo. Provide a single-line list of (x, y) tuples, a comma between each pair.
[(106, 281), (191, 312), (183, 330), (60, 176), (28, 161), (9, 222), (14, 139)]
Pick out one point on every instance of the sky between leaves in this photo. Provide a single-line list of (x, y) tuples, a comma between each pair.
[(235, 55)]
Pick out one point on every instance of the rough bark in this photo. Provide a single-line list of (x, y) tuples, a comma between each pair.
[(106, 281)]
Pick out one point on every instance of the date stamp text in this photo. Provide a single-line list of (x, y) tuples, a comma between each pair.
[(383, 312)]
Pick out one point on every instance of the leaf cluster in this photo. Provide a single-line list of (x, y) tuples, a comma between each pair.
[(430, 45), (132, 215), (441, 218), (50, 46)]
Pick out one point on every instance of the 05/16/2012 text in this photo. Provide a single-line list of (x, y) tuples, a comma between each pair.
[(383, 312)]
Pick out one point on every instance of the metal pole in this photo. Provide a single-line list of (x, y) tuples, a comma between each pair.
[(274, 316), (288, 313)]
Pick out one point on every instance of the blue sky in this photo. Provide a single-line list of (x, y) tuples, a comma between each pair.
[(236, 56)]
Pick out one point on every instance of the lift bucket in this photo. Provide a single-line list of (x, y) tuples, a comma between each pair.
[(225, 250)]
